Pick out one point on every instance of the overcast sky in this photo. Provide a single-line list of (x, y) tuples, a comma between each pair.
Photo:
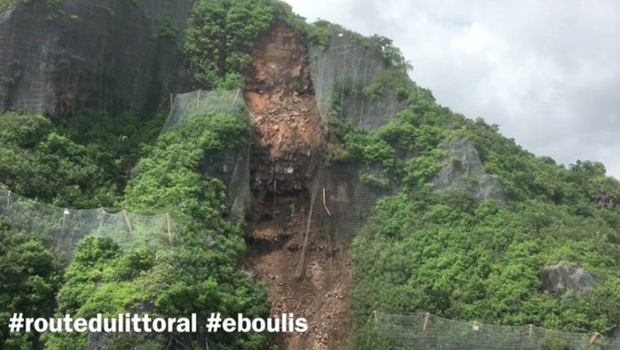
[(547, 72)]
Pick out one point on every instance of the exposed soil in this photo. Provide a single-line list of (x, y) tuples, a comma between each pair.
[(289, 136), (321, 294), (311, 281)]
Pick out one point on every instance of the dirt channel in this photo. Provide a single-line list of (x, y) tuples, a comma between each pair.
[(304, 276)]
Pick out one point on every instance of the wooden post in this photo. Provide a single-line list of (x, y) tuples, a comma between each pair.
[(374, 313), (169, 229), (237, 95), (64, 217), (275, 188), (531, 328), (171, 102), (325, 203), (198, 101), (8, 200), (426, 321), (594, 337), (300, 267), (127, 221)]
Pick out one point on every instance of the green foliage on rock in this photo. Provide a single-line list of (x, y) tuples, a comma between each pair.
[(171, 178), (221, 35), (166, 28), (404, 153), (7, 5)]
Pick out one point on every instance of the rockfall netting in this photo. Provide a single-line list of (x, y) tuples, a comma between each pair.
[(190, 104), (61, 228), (98, 340), (232, 166), (343, 202), (340, 75), (113, 55), (429, 332)]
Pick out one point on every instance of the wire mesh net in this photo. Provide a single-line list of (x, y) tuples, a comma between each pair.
[(123, 340), (193, 103), (111, 55), (61, 229), (341, 74), (425, 331), (343, 201), (99, 340), (232, 166)]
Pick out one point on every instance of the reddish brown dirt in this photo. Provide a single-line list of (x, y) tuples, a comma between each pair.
[(285, 122), (289, 135), (321, 294), (290, 143)]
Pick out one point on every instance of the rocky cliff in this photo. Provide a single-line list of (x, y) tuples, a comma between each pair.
[(111, 55)]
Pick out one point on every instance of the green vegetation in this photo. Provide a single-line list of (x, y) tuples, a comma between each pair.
[(7, 5), (166, 28), (440, 252), (211, 280), (29, 281), (37, 161), (221, 35), (201, 277), (447, 254), (82, 164)]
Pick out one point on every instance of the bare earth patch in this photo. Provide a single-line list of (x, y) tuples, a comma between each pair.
[(290, 142)]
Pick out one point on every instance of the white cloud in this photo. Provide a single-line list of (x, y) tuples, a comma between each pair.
[(545, 71), (472, 40)]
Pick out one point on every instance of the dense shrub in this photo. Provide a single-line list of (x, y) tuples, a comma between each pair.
[(30, 279)]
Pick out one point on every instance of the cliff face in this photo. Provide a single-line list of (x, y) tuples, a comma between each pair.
[(349, 65), (112, 55)]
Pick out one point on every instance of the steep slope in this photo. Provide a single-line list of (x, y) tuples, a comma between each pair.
[(366, 194), (59, 57), (303, 273)]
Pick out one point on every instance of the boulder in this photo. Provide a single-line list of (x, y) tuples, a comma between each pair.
[(559, 278)]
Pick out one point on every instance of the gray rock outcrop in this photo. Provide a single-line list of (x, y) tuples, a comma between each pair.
[(342, 73), (464, 172), (559, 278), (108, 55)]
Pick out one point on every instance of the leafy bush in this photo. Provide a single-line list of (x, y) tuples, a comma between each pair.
[(37, 161), (447, 254), (84, 163), (201, 277), (30, 278), (220, 37)]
